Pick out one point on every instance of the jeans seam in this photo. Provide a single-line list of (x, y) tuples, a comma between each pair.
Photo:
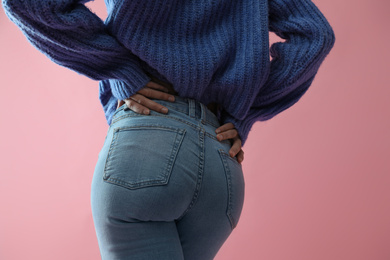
[(223, 156), (196, 127), (178, 119), (110, 151), (200, 175)]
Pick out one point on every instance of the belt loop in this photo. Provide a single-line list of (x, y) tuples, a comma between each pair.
[(191, 108), (203, 113)]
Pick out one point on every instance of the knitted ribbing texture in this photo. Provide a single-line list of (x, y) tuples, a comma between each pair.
[(212, 51)]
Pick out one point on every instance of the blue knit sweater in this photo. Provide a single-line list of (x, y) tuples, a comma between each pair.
[(209, 50)]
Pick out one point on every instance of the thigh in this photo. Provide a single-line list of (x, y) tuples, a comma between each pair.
[(121, 240), (207, 225)]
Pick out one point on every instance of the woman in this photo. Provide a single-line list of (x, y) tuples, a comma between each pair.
[(166, 186)]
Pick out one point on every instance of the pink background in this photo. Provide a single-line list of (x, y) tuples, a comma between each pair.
[(317, 175)]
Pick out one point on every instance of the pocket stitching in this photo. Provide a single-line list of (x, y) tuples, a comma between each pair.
[(167, 171)]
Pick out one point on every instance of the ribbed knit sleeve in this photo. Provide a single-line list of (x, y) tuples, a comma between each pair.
[(72, 36), (295, 62)]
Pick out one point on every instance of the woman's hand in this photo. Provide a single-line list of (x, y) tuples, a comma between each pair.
[(227, 131), (141, 104)]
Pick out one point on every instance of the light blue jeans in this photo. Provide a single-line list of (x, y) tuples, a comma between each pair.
[(164, 187)]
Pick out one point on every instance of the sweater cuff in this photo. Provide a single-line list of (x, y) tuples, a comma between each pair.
[(243, 126), (128, 83)]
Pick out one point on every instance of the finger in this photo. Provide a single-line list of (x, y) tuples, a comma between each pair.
[(240, 156), (224, 127), (228, 134), (236, 147), (146, 102), (155, 85), (153, 93), (136, 107), (120, 103)]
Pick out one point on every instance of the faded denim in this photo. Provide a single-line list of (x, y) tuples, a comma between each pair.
[(164, 188)]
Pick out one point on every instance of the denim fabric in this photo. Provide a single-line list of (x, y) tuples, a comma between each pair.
[(164, 188)]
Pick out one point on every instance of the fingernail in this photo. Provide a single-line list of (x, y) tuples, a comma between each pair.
[(217, 131), (164, 110), (219, 137), (171, 98), (146, 111)]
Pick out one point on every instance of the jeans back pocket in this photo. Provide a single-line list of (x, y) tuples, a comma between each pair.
[(142, 155), (236, 187)]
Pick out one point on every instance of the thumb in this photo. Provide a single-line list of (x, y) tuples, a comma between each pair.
[(120, 103)]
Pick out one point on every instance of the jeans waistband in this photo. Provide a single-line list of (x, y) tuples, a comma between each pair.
[(193, 108)]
